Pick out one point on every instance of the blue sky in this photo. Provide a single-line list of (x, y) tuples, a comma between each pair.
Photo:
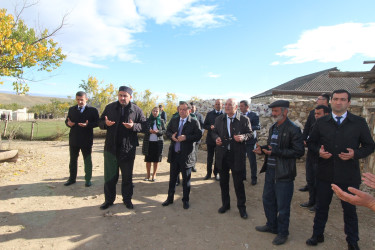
[(204, 48)]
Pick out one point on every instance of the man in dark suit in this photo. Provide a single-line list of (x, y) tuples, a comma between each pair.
[(122, 120), (340, 139), (254, 121), (163, 115), (81, 120), (183, 132), (313, 158), (200, 119), (209, 125), (323, 99), (231, 132)]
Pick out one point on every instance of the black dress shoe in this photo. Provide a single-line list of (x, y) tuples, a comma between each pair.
[(265, 229), (306, 204), (167, 202), (69, 182), (207, 177), (129, 204), (304, 189), (185, 204), (88, 184), (279, 240), (223, 209), (106, 205), (353, 246), (243, 213), (314, 240)]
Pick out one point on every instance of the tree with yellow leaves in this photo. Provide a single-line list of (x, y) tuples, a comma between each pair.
[(22, 48), (98, 96)]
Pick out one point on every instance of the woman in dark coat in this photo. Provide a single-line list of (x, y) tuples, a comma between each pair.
[(153, 142)]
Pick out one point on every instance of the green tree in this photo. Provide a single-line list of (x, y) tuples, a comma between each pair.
[(99, 96), (22, 48), (12, 106)]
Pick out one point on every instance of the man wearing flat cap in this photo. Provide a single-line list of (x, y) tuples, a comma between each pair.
[(284, 145), (122, 120)]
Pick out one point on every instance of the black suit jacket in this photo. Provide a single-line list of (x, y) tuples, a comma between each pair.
[(193, 134), (130, 141), (82, 136), (210, 120), (352, 133), (254, 122), (241, 126)]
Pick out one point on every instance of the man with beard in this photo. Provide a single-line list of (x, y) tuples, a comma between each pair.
[(231, 132), (284, 145), (122, 120)]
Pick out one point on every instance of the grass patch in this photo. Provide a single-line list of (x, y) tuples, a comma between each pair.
[(44, 130)]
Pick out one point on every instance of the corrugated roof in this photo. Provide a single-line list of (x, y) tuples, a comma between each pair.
[(318, 82)]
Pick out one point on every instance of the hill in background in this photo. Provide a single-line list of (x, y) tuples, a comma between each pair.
[(28, 100)]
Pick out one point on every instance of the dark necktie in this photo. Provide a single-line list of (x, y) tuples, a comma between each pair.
[(338, 119), (231, 127), (80, 109), (177, 146)]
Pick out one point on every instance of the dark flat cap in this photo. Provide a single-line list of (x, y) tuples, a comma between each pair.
[(279, 103), (126, 89)]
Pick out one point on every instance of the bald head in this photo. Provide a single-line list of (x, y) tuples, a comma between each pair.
[(231, 106), (218, 104)]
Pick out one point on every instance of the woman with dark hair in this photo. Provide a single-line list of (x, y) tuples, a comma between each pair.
[(153, 143)]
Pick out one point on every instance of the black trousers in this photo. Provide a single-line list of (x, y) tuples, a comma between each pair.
[(111, 176), (323, 200), (237, 181), (74, 153), (210, 159), (253, 161), (311, 166), (176, 166)]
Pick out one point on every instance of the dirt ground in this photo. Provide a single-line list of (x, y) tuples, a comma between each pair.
[(37, 211)]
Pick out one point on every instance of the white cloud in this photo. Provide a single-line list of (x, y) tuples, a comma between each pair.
[(275, 63), (332, 43), (97, 30), (212, 75)]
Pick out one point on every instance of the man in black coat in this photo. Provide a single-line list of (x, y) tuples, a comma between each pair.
[(183, 130), (122, 120), (231, 132), (284, 146), (163, 115), (254, 121), (200, 119), (210, 142), (313, 159), (81, 120), (341, 139), (323, 99)]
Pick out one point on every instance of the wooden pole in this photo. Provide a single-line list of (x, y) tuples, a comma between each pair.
[(5, 127), (32, 131)]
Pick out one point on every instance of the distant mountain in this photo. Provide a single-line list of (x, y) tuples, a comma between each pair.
[(28, 100)]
